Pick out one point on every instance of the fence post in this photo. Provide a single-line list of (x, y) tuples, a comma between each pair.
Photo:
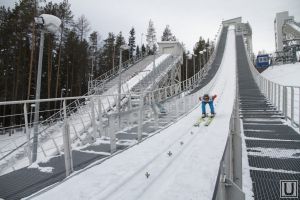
[(93, 118), (275, 95), (28, 134), (177, 102), (269, 90), (67, 143), (292, 105), (101, 132), (112, 136), (140, 127), (279, 98), (285, 102)]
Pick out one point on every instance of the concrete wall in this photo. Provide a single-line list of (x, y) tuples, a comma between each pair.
[(170, 47), (233, 21)]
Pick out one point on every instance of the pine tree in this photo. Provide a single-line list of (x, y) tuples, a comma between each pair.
[(82, 26), (120, 40), (65, 14), (93, 43), (151, 38), (143, 50), (137, 51), (167, 35), (109, 52), (131, 42)]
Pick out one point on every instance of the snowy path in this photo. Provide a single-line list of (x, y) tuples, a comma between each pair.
[(189, 173)]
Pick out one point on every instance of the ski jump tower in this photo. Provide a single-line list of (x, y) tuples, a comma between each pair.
[(287, 36), (242, 29)]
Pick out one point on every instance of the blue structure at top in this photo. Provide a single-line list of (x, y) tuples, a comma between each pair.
[(262, 61)]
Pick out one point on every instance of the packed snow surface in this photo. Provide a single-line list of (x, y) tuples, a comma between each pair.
[(182, 161), (287, 75), (284, 74)]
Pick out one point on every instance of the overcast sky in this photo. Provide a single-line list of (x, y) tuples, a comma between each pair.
[(188, 19)]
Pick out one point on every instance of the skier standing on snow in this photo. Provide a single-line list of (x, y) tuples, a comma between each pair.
[(206, 99)]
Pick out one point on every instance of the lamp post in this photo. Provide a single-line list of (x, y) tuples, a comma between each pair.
[(193, 55), (186, 67), (189, 56), (142, 34), (204, 59), (122, 47), (200, 53), (48, 23)]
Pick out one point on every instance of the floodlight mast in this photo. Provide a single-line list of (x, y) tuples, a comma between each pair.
[(47, 23)]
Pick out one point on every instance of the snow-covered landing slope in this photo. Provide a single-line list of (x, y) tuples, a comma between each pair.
[(189, 173)]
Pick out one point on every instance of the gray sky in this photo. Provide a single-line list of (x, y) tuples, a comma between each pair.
[(188, 19)]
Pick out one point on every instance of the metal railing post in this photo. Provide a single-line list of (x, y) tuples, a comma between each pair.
[(112, 120), (279, 98), (292, 106), (275, 95), (269, 90), (94, 133), (27, 134), (285, 102), (67, 143), (140, 127), (101, 131)]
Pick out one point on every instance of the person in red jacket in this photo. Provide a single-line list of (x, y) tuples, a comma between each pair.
[(207, 99)]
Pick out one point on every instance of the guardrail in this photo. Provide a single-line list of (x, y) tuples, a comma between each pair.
[(285, 98), (229, 180), (103, 78)]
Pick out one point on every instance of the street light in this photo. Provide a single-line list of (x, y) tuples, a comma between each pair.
[(122, 48), (47, 23), (200, 53), (142, 43), (189, 56), (193, 56), (186, 66), (204, 59)]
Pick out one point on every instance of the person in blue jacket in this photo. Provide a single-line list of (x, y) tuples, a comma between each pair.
[(207, 99)]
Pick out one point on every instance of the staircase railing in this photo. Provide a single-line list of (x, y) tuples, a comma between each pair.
[(285, 98)]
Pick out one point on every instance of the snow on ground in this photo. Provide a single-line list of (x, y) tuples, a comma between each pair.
[(189, 173), (284, 74), (287, 75), (274, 152)]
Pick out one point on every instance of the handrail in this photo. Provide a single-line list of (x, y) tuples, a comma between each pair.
[(103, 78), (277, 94)]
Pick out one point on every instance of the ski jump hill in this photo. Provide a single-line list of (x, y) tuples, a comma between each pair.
[(242, 154)]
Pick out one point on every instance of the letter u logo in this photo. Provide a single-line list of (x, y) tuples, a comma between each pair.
[(289, 188)]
